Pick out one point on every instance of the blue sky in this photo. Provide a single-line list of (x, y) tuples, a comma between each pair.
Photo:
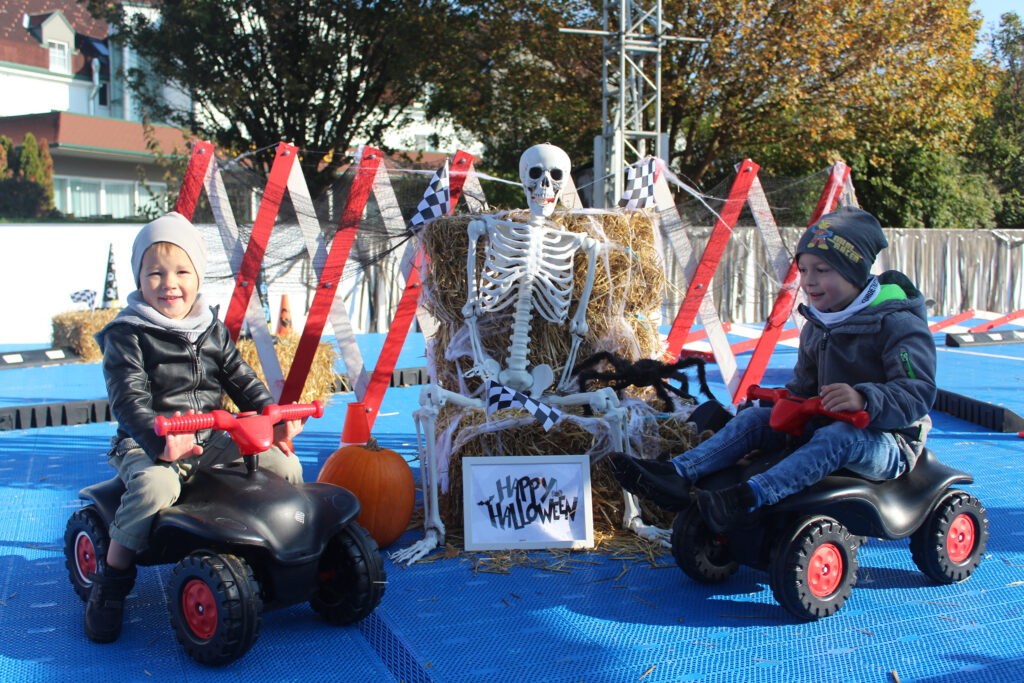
[(991, 10)]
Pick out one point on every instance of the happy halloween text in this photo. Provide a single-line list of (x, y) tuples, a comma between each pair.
[(527, 500)]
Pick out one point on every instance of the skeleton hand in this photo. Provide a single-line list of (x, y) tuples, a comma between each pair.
[(417, 550), (488, 369)]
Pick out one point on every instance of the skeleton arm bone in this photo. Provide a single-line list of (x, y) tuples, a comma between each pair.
[(483, 365), (579, 327), (432, 398)]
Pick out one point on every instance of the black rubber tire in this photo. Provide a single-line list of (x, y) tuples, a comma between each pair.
[(930, 544), (702, 555), (85, 548), (226, 583), (350, 577), (807, 588)]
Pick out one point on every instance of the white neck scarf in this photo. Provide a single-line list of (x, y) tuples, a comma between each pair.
[(191, 326), (863, 300)]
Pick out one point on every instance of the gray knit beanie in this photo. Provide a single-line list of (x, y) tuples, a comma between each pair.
[(176, 229), (848, 239)]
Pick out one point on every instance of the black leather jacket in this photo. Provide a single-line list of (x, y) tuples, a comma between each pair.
[(151, 371)]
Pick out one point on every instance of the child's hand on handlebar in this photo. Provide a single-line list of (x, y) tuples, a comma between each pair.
[(841, 396), (285, 431), (179, 446)]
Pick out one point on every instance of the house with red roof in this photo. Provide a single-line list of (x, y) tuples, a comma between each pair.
[(62, 80)]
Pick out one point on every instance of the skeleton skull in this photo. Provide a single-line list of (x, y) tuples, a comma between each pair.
[(542, 171)]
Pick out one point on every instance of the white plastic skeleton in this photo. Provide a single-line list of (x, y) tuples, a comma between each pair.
[(527, 266)]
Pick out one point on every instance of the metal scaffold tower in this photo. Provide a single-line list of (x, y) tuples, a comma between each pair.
[(633, 35)]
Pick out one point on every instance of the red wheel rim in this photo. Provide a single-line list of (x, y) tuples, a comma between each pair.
[(85, 556), (960, 538), (825, 570), (199, 608)]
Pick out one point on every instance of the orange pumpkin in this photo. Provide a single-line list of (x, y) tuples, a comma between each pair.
[(382, 481)]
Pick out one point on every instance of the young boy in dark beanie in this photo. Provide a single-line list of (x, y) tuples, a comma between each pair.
[(165, 354), (866, 346)]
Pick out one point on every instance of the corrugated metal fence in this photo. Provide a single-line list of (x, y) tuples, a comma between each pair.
[(958, 269)]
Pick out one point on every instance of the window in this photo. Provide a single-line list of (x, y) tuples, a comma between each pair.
[(153, 198), (60, 194), (119, 199), (60, 57), (85, 198)]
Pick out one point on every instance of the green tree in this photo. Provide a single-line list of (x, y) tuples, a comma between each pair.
[(515, 81), (46, 181), (999, 138), (922, 187), (29, 166), (23, 192), (324, 76), (10, 162)]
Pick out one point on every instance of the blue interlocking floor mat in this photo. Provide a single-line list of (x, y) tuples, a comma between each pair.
[(581, 616)]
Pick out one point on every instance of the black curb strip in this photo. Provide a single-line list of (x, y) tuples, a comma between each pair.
[(988, 415), (98, 410)]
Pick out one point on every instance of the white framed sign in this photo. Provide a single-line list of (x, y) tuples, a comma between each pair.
[(527, 501)]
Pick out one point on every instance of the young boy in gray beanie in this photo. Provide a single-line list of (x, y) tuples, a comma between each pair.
[(866, 346), (165, 354)]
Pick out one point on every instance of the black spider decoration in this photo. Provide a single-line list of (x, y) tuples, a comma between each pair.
[(646, 372)]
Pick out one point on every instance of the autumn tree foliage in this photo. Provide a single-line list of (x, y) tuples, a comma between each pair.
[(804, 83), (795, 85), (507, 75), (321, 75)]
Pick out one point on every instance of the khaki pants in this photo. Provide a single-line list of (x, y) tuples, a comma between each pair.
[(152, 486)]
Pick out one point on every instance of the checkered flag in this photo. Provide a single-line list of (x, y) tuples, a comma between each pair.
[(84, 296), (436, 198), (638, 192), (110, 286), (499, 396)]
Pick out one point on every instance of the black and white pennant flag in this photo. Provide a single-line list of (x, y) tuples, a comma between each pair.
[(500, 396), (436, 198), (84, 296), (638, 192), (110, 285)]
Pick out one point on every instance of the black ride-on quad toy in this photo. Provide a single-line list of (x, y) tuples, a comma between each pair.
[(244, 540), (808, 541)]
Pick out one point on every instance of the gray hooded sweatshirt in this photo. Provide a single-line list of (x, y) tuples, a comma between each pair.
[(884, 351)]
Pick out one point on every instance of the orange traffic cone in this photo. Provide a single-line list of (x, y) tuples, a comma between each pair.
[(284, 318), (356, 429)]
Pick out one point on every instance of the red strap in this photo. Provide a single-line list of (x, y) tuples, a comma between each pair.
[(986, 326), (330, 276), (406, 311), (711, 257), (270, 204), (741, 347), (787, 293), (948, 322), (397, 332), (457, 173), (195, 175)]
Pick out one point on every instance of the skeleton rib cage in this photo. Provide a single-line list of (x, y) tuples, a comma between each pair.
[(520, 256)]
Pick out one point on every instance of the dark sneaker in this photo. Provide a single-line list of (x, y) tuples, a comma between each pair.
[(105, 608), (656, 480), (725, 509)]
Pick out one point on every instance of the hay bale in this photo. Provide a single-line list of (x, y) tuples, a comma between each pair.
[(623, 311), (520, 434), (622, 315), (75, 330), (320, 382)]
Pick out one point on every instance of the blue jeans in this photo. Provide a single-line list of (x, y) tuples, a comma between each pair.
[(871, 453)]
